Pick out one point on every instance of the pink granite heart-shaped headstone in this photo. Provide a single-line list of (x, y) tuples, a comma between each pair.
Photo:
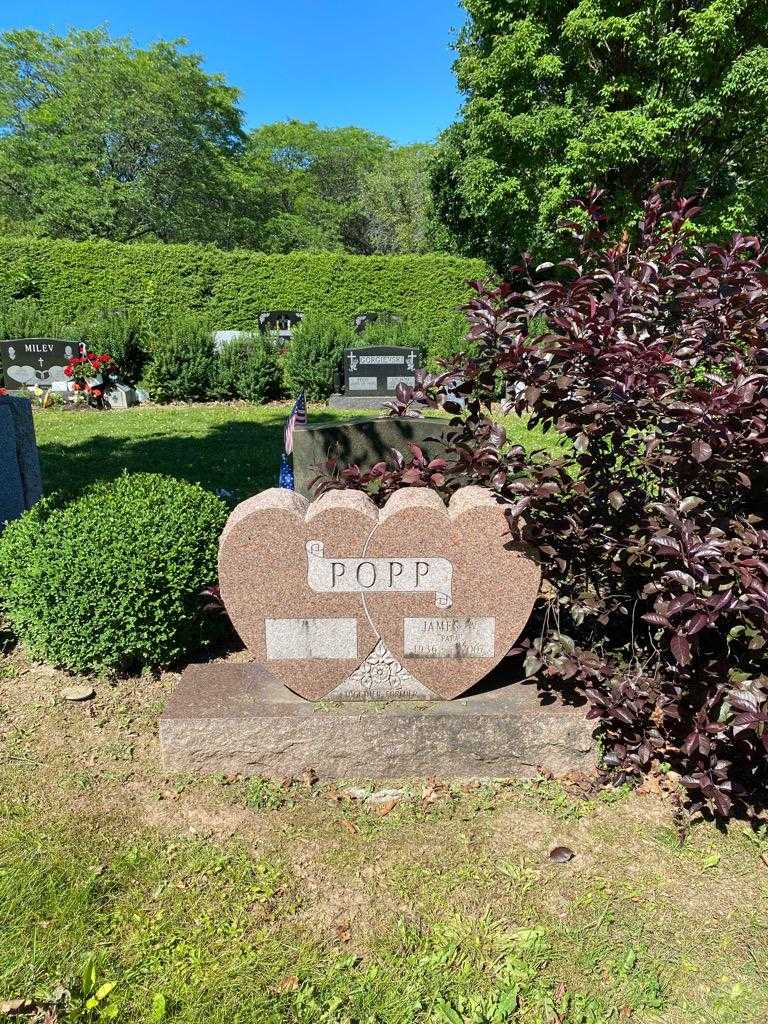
[(342, 600)]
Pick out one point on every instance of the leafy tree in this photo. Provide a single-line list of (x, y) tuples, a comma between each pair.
[(563, 94), (100, 139), (306, 182), (397, 202)]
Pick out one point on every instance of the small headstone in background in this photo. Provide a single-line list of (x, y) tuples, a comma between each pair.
[(378, 370), (36, 362), (120, 396), (371, 375), (20, 480), (280, 323), (378, 316), (222, 338)]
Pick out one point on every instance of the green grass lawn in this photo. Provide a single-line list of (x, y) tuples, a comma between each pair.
[(224, 901), (132, 896), (235, 447)]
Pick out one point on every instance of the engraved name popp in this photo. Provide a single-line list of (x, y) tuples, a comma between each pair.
[(379, 575)]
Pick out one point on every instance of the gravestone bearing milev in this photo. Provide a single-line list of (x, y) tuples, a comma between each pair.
[(344, 601), (376, 371), (36, 362)]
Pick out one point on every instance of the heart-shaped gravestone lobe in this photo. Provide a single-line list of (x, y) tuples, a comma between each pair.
[(310, 640), (476, 591)]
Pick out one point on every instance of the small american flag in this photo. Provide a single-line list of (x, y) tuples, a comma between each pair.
[(298, 418)]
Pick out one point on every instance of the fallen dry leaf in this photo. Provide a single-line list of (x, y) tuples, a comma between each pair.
[(652, 785), (289, 984), (350, 826), (309, 778), (764, 858), (385, 808), (343, 932)]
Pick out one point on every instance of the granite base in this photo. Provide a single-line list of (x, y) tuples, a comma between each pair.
[(237, 718)]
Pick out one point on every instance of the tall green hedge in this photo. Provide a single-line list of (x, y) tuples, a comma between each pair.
[(76, 280)]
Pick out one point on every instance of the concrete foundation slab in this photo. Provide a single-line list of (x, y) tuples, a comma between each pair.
[(237, 718)]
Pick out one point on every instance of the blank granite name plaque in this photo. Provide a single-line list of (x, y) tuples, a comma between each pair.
[(344, 601)]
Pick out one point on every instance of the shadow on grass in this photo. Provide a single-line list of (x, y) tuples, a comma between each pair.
[(238, 457)]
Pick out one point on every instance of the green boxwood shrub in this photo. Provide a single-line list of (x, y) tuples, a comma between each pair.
[(315, 353), (183, 365), (112, 580), (248, 368)]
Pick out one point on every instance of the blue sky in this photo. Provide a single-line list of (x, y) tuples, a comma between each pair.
[(381, 64)]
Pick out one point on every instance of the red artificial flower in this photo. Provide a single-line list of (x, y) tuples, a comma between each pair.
[(67, 371), (96, 392)]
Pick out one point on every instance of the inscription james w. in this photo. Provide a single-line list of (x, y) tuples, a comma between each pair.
[(379, 575)]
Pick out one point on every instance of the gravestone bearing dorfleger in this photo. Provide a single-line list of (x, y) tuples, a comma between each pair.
[(36, 362), (376, 371), (344, 601)]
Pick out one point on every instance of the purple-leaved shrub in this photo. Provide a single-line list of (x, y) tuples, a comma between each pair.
[(650, 354)]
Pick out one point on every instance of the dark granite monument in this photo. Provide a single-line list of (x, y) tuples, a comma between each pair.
[(361, 442), (36, 362), (370, 375), (377, 371)]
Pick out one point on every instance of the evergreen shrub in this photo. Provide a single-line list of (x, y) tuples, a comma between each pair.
[(112, 580)]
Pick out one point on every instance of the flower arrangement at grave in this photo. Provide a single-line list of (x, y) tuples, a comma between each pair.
[(90, 375)]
